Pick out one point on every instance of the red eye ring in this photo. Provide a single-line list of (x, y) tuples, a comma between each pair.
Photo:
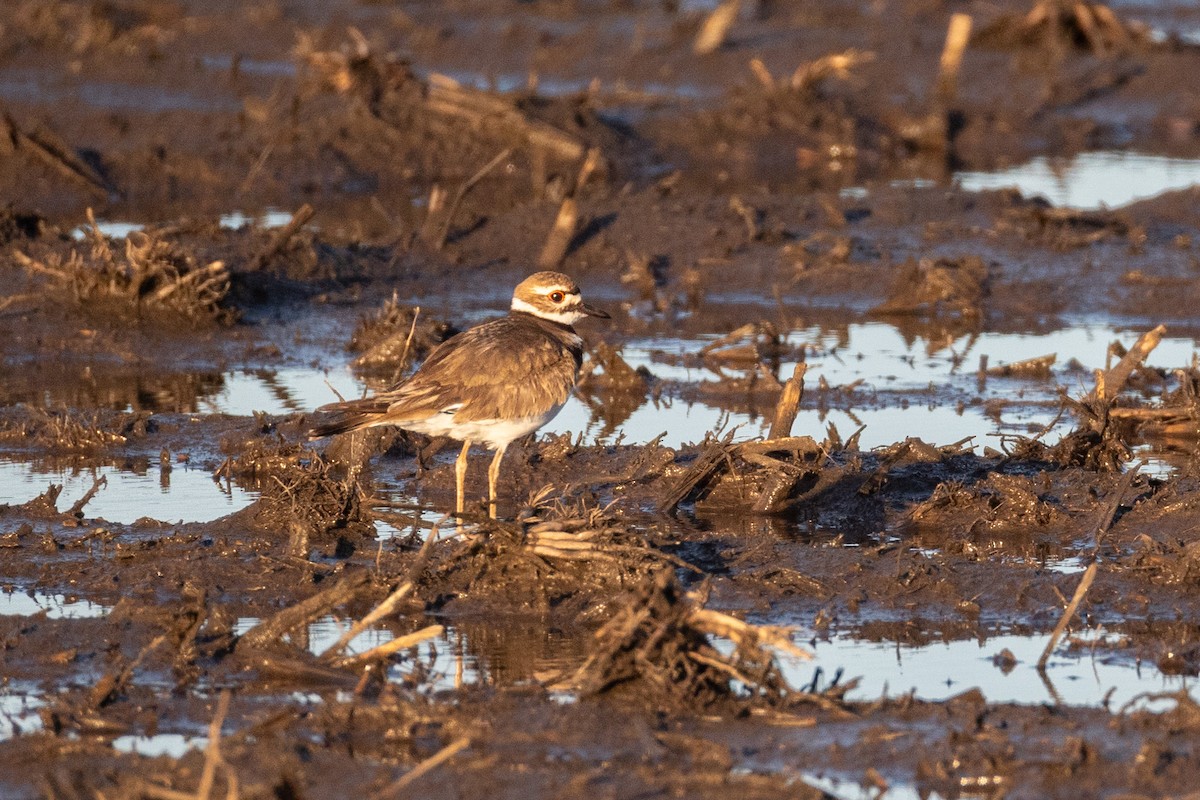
[(557, 297)]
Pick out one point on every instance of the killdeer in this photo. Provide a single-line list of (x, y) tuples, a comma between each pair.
[(491, 384)]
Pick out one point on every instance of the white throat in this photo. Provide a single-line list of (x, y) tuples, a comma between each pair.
[(563, 317)]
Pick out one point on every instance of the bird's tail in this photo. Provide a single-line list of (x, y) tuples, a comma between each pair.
[(343, 425), (353, 415)]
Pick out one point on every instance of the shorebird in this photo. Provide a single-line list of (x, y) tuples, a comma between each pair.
[(491, 384)]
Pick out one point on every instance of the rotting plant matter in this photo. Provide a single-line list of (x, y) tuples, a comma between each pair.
[(149, 276)]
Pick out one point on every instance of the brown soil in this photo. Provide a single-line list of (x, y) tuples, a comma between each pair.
[(649, 578)]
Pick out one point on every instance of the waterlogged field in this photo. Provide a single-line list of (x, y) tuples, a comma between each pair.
[(966, 567)]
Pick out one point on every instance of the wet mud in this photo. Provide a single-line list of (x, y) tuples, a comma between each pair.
[(881, 481)]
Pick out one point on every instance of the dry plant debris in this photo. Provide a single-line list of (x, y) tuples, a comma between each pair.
[(1065, 228), (808, 76), (301, 492), (759, 477), (148, 276), (394, 337), (1100, 442), (1080, 24), (391, 91), (74, 431), (574, 556), (943, 287), (661, 639)]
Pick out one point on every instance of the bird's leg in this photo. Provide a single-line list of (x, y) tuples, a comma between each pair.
[(460, 476), (493, 476)]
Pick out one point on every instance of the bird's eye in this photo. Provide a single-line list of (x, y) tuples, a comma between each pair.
[(557, 297)]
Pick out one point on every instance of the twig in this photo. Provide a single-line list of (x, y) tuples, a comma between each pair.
[(387, 648), (112, 682), (461, 194), (957, 36), (716, 27), (1116, 378), (407, 344), (428, 765), (213, 758), (305, 611), (789, 403), (55, 156), (1105, 522), (379, 612), (559, 239), (83, 501), (1085, 583), (565, 223), (281, 238)]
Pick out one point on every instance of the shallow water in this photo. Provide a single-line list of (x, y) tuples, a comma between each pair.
[(902, 386), (179, 494), (495, 655), (1091, 181), (1084, 671), (55, 606), (117, 229), (1074, 676), (928, 389)]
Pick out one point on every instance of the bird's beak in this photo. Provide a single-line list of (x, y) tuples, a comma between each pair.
[(592, 311)]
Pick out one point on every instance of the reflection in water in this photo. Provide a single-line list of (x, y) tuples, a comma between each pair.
[(908, 381), (888, 381), (132, 489), (485, 653), (54, 606), (1089, 674), (58, 384), (1091, 181)]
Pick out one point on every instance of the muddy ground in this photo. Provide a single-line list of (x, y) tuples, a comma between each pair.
[(620, 621)]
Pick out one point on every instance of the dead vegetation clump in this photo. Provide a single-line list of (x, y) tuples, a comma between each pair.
[(942, 287), (300, 491), (811, 108), (441, 110), (148, 277), (1064, 229), (73, 431), (999, 505), (1101, 441), (122, 28), (552, 558), (395, 337), (757, 477), (662, 647), (1077, 24)]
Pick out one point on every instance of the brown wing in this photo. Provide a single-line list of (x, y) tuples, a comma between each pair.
[(504, 368)]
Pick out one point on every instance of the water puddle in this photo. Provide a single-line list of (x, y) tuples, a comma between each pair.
[(1091, 181), (19, 705), (463, 655), (606, 92), (175, 745), (177, 494), (249, 66), (929, 389), (887, 383), (1087, 673), (116, 229), (27, 87), (1084, 671), (841, 787), (55, 606)]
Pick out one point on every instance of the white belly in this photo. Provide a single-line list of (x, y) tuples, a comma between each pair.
[(494, 433)]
